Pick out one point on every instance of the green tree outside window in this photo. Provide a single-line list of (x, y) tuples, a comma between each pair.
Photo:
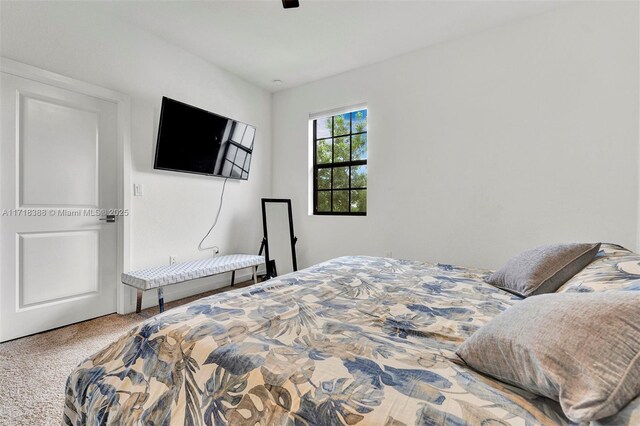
[(340, 164)]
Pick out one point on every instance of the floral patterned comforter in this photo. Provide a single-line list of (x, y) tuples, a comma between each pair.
[(352, 341)]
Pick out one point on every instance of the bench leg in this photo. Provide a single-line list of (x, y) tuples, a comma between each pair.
[(160, 299), (139, 301), (233, 278), (255, 275)]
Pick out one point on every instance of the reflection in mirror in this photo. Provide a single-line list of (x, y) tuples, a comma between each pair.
[(278, 236)]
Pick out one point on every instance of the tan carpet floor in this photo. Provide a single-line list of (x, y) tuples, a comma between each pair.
[(34, 369)]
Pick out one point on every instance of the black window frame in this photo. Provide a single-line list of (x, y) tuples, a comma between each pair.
[(331, 165)]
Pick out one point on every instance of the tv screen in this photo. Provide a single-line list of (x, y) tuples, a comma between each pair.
[(193, 140)]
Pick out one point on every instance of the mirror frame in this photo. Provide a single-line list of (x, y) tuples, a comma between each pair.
[(271, 272)]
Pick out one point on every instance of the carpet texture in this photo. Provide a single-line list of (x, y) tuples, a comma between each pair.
[(34, 369)]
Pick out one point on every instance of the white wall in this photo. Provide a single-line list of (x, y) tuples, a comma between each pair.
[(481, 147), (177, 209)]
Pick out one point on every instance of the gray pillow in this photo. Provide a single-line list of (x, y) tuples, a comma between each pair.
[(580, 349), (543, 269)]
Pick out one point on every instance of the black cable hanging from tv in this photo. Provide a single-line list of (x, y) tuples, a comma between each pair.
[(215, 249)]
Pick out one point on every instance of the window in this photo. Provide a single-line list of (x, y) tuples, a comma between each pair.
[(340, 164)]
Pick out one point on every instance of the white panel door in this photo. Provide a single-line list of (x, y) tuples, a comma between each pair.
[(57, 178)]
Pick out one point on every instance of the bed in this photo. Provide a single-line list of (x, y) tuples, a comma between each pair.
[(356, 340)]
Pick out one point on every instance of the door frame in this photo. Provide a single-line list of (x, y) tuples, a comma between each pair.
[(123, 181)]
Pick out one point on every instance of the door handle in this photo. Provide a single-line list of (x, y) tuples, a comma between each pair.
[(110, 218)]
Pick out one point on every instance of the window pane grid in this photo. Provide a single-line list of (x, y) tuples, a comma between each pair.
[(341, 136), (338, 178), (343, 163), (342, 189)]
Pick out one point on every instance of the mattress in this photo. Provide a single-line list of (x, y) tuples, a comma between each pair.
[(353, 341)]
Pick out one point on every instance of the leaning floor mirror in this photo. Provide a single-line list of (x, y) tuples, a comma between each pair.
[(279, 240)]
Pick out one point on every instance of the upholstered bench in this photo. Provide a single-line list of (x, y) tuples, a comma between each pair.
[(160, 276)]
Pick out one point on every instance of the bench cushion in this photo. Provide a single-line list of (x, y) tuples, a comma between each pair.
[(159, 276)]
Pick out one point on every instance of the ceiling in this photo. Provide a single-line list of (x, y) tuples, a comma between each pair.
[(262, 42)]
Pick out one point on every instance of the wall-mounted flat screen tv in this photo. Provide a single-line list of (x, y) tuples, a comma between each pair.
[(193, 140)]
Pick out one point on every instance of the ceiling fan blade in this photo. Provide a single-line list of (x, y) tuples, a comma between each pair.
[(288, 4)]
